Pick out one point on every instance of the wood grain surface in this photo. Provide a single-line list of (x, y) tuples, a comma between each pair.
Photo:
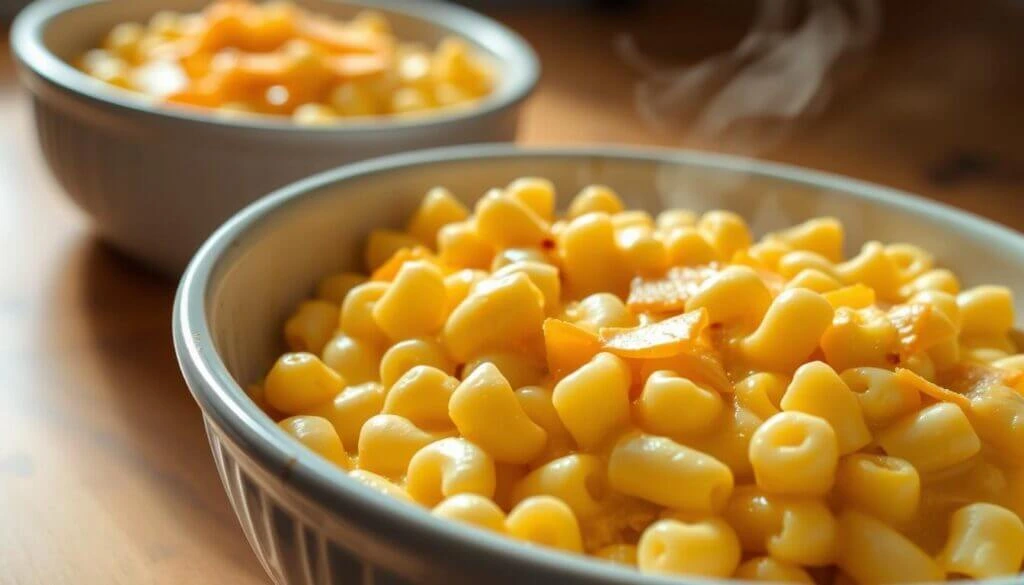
[(105, 475)]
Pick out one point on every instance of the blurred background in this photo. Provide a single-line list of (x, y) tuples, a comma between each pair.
[(921, 95)]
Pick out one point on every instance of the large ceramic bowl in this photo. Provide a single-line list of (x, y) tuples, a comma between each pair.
[(307, 521), (158, 180)]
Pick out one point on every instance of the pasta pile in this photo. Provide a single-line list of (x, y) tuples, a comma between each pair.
[(240, 58), (668, 393)]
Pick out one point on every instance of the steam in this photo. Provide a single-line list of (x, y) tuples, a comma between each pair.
[(748, 100)]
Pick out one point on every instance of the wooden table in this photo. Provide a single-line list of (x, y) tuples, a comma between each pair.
[(105, 475)]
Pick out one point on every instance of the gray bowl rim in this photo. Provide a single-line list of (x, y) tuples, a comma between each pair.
[(521, 62), (225, 402)]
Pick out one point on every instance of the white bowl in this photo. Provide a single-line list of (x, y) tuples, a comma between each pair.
[(158, 180), (307, 521)]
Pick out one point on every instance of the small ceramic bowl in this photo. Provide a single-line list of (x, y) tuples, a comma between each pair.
[(158, 180), (307, 521)]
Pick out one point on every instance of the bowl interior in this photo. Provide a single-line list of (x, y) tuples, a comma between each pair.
[(83, 27), (275, 252), (79, 25)]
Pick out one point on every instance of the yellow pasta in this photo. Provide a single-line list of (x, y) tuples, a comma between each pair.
[(985, 310), (387, 442), (643, 251), (816, 389), (351, 408), (932, 439), (537, 193), (422, 395), (590, 257), (789, 332), (873, 268), (472, 509), (674, 406), (543, 276), (874, 553), (725, 231), (689, 479), (772, 571), (511, 306), (506, 222), (888, 488), (380, 484), (688, 247), (761, 393), (997, 413), (448, 467), (357, 361), (319, 435), (357, 312), (405, 355), (507, 256), (794, 454), (669, 393), (807, 533), (985, 541), (736, 295), (519, 369), (547, 521), (299, 382), (460, 245), (823, 235), (438, 209), (311, 326), (593, 401), (600, 310), (882, 396), (414, 304), (595, 198), (578, 480), (237, 57), (708, 549), (485, 410), (864, 337)]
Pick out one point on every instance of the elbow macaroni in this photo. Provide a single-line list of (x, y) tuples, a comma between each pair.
[(448, 467), (708, 548), (985, 541), (670, 394), (547, 521), (794, 453)]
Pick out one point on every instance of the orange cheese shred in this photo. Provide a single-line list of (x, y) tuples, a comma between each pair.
[(666, 338), (568, 346), (931, 389), (668, 293), (920, 327), (389, 269), (856, 296)]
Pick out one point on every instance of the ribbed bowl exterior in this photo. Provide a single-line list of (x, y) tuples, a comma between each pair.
[(157, 199), (294, 546)]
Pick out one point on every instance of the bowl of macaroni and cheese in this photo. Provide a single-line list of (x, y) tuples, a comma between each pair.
[(160, 118), (614, 366)]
